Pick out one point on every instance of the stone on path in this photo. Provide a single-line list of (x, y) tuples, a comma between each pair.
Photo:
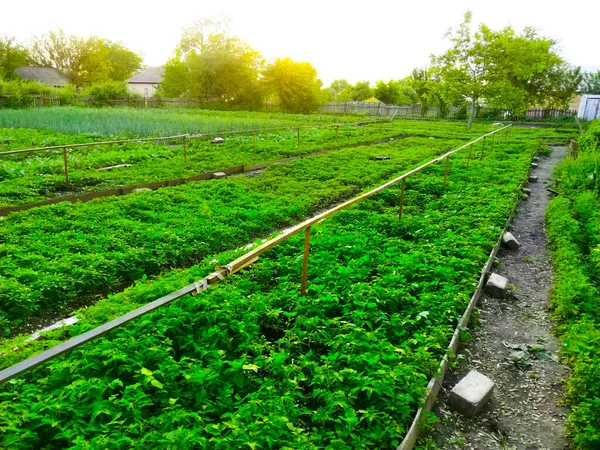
[(496, 286), (509, 241), (471, 393), (533, 179), (219, 175), (526, 191), (533, 165)]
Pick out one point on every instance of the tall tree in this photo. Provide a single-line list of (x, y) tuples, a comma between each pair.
[(336, 87), (84, 61), (395, 92), (12, 56), (590, 83), (294, 84), (501, 68), (211, 65), (356, 93)]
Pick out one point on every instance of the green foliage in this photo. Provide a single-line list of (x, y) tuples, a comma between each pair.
[(106, 93), (573, 232), (211, 65), (252, 364), (359, 92), (12, 56), (294, 84), (395, 92), (590, 83), (19, 93), (84, 61), (503, 69)]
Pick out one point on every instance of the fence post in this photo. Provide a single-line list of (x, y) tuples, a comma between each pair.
[(305, 262), (469, 157), (492, 145), (483, 147), (185, 149), (66, 165), (446, 171), (337, 129), (402, 198)]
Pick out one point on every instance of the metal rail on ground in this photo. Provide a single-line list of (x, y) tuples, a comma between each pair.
[(223, 272)]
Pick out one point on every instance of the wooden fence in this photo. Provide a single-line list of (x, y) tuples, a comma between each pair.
[(365, 108)]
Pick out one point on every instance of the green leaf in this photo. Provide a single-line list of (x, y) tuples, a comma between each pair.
[(146, 372), (250, 367), (156, 383)]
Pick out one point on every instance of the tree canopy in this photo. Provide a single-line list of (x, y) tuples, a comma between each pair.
[(590, 83), (503, 69), (12, 56), (84, 61), (294, 84)]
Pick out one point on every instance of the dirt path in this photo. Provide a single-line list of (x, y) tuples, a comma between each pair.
[(514, 346)]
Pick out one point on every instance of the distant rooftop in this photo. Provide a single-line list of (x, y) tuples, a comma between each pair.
[(44, 75), (152, 75)]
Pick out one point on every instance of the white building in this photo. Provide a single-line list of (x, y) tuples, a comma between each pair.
[(589, 107), (146, 83)]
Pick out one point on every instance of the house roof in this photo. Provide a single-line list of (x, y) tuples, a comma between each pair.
[(152, 75), (44, 75)]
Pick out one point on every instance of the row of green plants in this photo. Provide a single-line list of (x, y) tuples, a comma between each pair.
[(54, 256), (573, 225), (31, 177), (251, 364)]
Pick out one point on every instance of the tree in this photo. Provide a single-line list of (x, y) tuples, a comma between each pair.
[(338, 86), (211, 65), (361, 91), (12, 56), (294, 84), (395, 92), (501, 69), (84, 61), (590, 83)]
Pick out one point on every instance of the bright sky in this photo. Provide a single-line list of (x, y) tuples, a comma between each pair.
[(356, 40)]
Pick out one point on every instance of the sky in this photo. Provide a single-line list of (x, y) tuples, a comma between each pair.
[(356, 40)]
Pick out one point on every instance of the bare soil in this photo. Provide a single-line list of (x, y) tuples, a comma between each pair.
[(514, 346)]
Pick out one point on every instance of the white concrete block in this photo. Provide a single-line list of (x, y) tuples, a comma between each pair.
[(533, 179), (533, 165), (471, 393), (219, 175), (496, 286), (509, 241)]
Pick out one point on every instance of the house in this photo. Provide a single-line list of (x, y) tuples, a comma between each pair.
[(589, 108), (45, 75), (146, 83)]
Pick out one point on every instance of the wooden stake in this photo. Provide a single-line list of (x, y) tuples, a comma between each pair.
[(402, 198), (185, 149), (446, 171), (492, 146), (337, 128), (469, 157), (483, 147), (66, 165), (305, 262)]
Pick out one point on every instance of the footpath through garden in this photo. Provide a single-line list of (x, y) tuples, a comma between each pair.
[(514, 345)]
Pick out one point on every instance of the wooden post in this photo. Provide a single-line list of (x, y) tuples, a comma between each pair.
[(337, 128), (66, 165), (305, 262), (492, 145), (483, 147), (446, 170), (469, 157), (185, 149), (402, 198), (298, 136)]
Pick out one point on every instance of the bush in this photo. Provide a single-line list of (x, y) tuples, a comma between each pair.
[(108, 93)]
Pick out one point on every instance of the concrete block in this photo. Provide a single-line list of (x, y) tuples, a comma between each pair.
[(471, 393), (509, 241), (532, 179), (219, 175), (142, 190), (496, 286), (533, 165), (217, 140)]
